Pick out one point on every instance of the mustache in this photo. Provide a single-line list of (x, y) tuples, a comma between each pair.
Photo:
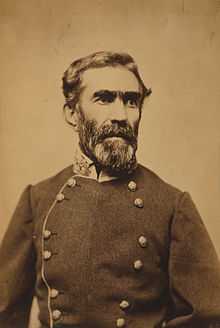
[(122, 130)]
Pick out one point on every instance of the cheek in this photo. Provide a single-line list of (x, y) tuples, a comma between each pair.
[(98, 115), (134, 117), (95, 112)]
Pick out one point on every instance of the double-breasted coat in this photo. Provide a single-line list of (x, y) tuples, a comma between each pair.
[(131, 252)]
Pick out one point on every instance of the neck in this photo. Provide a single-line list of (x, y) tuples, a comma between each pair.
[(84, 166)]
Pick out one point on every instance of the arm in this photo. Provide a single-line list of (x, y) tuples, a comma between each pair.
[(17, 267), (194, 271)]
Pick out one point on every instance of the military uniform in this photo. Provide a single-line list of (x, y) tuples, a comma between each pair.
[(129, 252)]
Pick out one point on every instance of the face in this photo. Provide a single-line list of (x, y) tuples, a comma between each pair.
[(108, 117)]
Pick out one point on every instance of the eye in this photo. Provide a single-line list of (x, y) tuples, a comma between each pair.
[(131, 103), (105, 98), (131, 99)]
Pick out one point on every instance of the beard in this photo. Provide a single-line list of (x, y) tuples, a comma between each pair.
[(112, 146)]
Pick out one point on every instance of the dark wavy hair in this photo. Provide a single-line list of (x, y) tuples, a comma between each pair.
[(72, 78)]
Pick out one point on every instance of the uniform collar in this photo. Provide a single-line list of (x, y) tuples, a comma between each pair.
[(85, 167)]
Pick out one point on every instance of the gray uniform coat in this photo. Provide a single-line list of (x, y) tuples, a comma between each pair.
[(131, 252)]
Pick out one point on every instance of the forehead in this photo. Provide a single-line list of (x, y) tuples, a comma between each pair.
[(110, 78)]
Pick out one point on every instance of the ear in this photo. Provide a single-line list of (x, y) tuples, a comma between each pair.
[(71, 117)]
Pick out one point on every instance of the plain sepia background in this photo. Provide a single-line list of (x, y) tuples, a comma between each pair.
[(176, 44)]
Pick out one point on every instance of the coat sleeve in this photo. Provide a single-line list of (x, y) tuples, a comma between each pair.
[(194, 271), (17, 268)]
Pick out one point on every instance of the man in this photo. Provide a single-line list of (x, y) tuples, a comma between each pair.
[(106, 243)]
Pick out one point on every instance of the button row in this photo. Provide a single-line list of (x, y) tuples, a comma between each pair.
[(71, 183), (56, 314), (138, 202), (142, 241), (138, 264)]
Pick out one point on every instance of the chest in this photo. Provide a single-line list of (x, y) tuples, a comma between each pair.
[(104, 226)]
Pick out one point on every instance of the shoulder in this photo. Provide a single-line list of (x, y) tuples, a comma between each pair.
[(154, 180), (50, 186), (156, 187)]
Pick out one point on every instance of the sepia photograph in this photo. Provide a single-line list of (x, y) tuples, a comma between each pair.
[(110, 164)]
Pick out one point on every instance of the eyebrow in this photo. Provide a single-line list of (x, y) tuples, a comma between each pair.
[(112, 93), (106, 93), (131, 95)]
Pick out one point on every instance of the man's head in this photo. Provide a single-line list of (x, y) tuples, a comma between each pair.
[(104, 97)]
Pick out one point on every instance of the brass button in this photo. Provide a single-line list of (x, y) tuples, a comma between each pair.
[(47, 255), (139, 203), (132, 186), (142, 241), (56, 314), (124, 304), (60, 197), (54, 293), (120, 322), (71, 182), (138, 264), (47, 234)]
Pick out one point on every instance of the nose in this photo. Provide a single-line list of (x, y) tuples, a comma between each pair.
[(118, 111)]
